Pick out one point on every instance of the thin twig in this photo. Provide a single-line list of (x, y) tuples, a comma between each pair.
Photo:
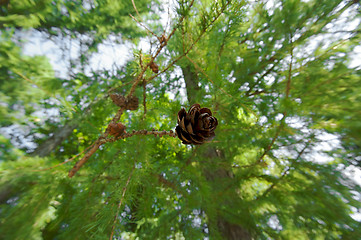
[(135, 8), (285, 172), (144, 132), (162, 45), (31, 82), (141, 24), (206, 75), (69, 160), (168, 183), (144, 98), (120, 202), (269, 147), (280, 127), (81, 162), (101, 141), (248, 93), (186, 52)]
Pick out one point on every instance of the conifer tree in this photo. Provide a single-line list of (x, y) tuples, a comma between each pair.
[(271, 99)]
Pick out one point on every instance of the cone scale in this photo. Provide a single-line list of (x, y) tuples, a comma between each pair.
[(197, 126)]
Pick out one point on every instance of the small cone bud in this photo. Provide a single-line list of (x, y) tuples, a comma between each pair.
[(116, 129), (154, 67), (118, 99), (132, 103)]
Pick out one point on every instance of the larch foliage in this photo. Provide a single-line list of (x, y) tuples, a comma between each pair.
[(93, 153)]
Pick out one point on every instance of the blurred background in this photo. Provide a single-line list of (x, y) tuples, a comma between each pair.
[(283, 78)]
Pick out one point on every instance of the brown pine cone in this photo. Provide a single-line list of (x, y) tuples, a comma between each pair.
[(116, 129), (132, 103), (118, 99), (154, 67), (197, 126), (163, 39)]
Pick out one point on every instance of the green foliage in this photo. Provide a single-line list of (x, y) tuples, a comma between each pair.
[(277, 77)]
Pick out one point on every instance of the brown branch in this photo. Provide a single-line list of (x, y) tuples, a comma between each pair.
[(162, 45), (69, 160), (135, 8), (81, 162), (120, 202), (143, 132), (188, 50), (101, 141), (141, 24), (146, 132)]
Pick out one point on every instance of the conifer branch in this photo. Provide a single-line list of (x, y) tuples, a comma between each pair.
[(121, 201), (144, 98), (69, 160), (280, 127), (169, 184), (259, 80), (39, 87), (163, 42), (144, 132), (141, 24), (191, 46), (116, 118), (82, 161), (285, 172), (94, 147), (206, 75)]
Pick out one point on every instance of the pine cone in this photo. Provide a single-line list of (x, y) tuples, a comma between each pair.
[(132, 103), (154, 67), (116, 129), (118, 99), (196, 126), (163, 39)]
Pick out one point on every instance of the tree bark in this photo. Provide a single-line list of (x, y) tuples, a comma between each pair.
[(5, 193), (191, 84), (217, 171)]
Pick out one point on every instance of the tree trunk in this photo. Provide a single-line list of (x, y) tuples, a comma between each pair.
[(191, 84), (58, 137), (217, 171), (44, 149)]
